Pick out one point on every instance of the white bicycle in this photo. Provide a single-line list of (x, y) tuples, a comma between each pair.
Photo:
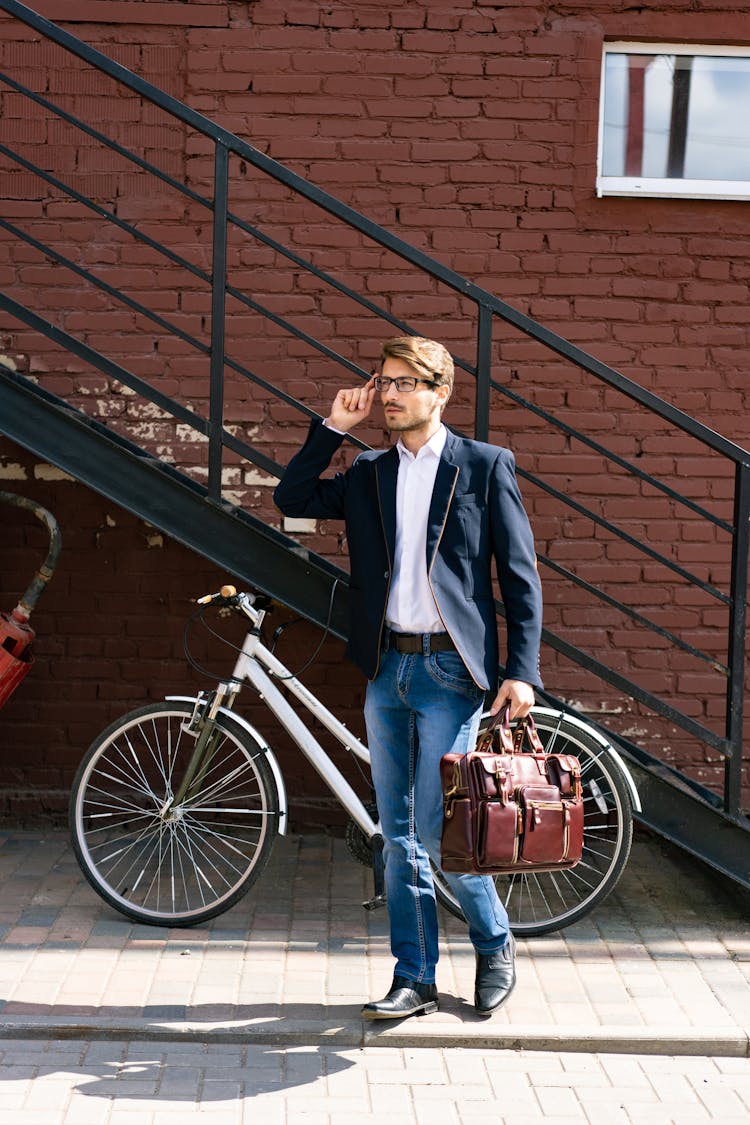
[(175, 807)]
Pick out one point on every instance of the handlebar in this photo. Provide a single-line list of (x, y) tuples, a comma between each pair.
[(251, 604)]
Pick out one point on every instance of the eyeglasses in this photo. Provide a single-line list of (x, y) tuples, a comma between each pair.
[(405, 384)]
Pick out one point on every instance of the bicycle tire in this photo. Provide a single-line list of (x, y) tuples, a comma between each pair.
[(182, 866), (543, 903)]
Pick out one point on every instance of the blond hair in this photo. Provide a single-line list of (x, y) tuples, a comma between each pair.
[(427, 358)]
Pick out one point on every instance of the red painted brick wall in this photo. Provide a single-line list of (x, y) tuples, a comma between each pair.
[(470, 130)]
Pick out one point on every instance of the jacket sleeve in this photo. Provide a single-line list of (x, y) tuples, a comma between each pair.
[(301, 492), (515, 559)]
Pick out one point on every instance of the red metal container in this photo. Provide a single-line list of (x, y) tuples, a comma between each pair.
[(16, 634), (16, 657)]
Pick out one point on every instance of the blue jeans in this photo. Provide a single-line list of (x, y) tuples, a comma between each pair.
[(418, 708)]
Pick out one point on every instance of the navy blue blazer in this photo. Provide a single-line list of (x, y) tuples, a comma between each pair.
[(476, 516)]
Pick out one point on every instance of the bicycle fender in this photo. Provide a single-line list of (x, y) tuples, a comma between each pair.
[(257, 737), (610, 749)]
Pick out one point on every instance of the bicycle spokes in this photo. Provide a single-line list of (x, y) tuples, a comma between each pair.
[(154, 852)]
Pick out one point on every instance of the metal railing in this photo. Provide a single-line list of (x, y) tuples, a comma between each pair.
[(489, 311)]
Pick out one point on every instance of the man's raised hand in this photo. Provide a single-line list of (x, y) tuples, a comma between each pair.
[(351, 406)]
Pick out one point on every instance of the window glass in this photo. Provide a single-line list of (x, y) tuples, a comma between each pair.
[(673, 116)]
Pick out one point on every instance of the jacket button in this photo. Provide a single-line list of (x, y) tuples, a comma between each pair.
[(387, 574)]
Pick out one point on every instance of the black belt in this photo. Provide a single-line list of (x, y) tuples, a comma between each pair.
[(414, 642)]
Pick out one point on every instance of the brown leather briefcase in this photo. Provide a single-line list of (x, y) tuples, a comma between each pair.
[(509, 809)]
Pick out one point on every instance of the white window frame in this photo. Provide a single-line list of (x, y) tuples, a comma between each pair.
[(650, 185)]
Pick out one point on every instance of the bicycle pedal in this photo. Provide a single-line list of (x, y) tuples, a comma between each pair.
[(374, 903)]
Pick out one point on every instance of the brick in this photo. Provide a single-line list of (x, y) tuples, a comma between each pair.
[(687, 357), (446, 151), (426, 42), (610, 309), (697, 684), (716, 293)]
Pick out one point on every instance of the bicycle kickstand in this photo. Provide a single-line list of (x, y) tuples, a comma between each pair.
[(378, 871)]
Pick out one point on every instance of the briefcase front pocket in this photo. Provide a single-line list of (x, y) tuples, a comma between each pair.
[(457, 843), (546, 824), (497, 833)]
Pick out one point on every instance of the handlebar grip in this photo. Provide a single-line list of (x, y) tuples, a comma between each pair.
[(224, 592)]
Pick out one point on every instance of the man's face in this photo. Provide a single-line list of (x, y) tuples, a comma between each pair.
[(410, 410)]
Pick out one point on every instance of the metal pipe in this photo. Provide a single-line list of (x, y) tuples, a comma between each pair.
[(46, 570)]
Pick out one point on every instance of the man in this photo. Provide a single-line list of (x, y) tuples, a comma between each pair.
[(425, 520)]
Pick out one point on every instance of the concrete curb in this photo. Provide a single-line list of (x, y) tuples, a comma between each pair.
[(605, 1040), (667, 1041)]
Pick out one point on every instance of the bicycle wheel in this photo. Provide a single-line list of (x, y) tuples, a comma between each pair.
[(541, 903), (172, 866)]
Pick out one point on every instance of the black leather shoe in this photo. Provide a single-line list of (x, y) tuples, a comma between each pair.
[(496, 978), (406, 998)]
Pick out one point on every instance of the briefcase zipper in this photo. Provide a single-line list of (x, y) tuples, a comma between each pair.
[(455, 790), (558, 806), (545, 805)]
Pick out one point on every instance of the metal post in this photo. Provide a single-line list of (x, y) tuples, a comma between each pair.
[(218, 307), (484, 363), (736, 654)]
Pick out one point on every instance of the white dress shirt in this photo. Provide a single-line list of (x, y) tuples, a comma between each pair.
[(411, 607)]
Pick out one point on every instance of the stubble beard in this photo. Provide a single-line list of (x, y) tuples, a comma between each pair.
[(402, 423)]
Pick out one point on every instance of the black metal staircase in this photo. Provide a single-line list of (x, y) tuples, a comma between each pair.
[(196, 511)]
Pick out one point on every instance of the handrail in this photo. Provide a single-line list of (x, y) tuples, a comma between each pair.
[(488, 307), (195, 197), (623, 462), (162, 321), (128, 379)]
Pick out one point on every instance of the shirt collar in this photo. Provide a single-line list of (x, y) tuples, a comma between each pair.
[(433, 447)]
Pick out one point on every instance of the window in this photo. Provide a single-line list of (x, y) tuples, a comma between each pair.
[(674, 120)]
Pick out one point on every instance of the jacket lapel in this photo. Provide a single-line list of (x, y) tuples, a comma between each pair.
[(442, 494), (386, 474)]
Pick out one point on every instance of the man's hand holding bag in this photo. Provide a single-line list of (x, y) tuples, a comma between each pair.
[(507, 809)]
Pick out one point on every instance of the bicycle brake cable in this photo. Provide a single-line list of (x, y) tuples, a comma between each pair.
[(198, 613), (326, 631)]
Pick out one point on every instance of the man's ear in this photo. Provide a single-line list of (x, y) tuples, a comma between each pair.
[(443, 391)]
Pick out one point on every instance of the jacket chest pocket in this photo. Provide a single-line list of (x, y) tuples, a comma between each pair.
[(471, 515)]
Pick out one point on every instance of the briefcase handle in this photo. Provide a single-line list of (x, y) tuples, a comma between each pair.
[(511, 741)]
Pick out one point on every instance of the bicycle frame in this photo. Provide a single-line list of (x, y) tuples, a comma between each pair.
[(253, 666)]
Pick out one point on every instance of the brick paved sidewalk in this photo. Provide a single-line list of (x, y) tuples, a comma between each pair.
[(133, 1083), (662, 967)]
